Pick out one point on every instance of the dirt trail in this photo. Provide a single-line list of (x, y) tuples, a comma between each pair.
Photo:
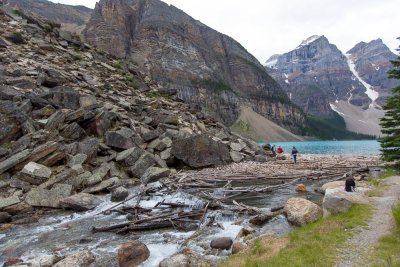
[(357, 249)]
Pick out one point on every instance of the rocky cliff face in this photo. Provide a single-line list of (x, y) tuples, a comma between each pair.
[(72, 18), (317, 63), (372, 61), (206, 68)]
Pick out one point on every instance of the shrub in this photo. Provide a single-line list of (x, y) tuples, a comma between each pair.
[(47, 28), (117, 65), (101, 52), (77, 57)]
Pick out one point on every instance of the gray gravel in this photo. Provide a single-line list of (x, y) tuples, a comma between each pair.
[(356, 250)]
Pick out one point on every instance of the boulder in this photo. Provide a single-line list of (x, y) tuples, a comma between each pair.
[(43, 261), (89, 147), (40, 197), (16, 38), (14, 160), (5, 217), (8, 93), (153, 174), (64, 97), (9, 201), (236, 156), (261, 219), (40, 152), (247, 230), (81, 259), (73, 131), (80, 202), (119, 194), (100, 124), (87, 100), (118, 140), (179, 260), (337, 200), (301, 211), (331, 185), (238, 146), (201, 151), (301, 188), (102, 186), (128, 157), (78, 159), (55, 121), (132, 254), (145, 161), (35, 173), (51, 78), (221, 243)]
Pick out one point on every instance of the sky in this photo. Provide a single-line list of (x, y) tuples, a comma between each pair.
[(267, 27)]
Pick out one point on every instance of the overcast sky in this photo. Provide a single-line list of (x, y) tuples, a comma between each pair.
[(267, 27)]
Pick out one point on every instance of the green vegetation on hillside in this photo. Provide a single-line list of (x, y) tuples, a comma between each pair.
[(331, 129), (215, 86), (315, 244)]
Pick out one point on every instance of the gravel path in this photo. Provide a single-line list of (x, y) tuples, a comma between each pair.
[(356, 249)]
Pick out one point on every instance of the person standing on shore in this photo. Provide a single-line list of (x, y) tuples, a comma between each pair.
[(294, 154), (273, 150)]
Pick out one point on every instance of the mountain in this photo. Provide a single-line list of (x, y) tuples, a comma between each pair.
[(372, 61), (206, 68), (72, 18), (322, 80)]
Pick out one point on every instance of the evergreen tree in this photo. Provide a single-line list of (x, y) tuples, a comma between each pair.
[(391, 121)]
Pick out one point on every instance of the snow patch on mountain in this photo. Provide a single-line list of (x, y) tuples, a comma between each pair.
[(372, 94), (309, 40)]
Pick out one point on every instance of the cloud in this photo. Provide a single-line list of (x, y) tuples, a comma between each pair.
[(267, 27)]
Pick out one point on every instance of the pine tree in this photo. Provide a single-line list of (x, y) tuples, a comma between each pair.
[(391, 121)]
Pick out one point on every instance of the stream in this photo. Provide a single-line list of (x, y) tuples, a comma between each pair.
[(66, 232)]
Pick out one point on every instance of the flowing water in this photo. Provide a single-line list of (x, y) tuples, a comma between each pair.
[(68, 232)]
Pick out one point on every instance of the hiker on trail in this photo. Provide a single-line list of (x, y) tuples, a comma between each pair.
[(280, 150), (273, 150), (350, 185), (294, 154)]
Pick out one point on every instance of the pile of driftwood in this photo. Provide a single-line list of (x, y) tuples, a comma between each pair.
[(217, 188)]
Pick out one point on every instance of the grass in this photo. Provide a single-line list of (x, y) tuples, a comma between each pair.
[(377, 182), (315, 244), (47, 28), (101, 52), (387, 251), (77, 57), (118, 66), (241, 126)]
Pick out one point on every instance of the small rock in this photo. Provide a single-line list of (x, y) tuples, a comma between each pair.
[(102, 186), (12, 261), (237, 247), (80, 202), (221, 243), (153, 174), (247, 230), (132, 254), (81, 258), (5, 217), (301, 188), (35, 173), (9, 201), (179, 260), (119, 194)]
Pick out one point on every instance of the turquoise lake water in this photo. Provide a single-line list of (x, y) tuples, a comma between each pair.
[(369, 147)]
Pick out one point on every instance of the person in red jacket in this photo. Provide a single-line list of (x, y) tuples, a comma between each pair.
[(279, 150)]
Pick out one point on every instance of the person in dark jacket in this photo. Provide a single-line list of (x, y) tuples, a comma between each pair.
[(294, 154), (350, 185)]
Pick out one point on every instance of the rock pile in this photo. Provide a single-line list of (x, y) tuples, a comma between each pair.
[(75, 122)]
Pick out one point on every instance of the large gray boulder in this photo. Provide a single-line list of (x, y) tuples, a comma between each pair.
[(80, 202), (40, 197), (201, 151), (128, 157), (14, 160), (145, 161), (102, 186), (35, 173), (121, 139), (337, 200), (221, 243), (301, 211), (9, 201), (153, 174)]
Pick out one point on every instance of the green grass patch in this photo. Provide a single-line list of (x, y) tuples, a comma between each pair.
[(387, 252), (377, 182), (17, 11), (118, 65), (47, 28), (316, 244), (241, 126), (101, 52), (77, 57)]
